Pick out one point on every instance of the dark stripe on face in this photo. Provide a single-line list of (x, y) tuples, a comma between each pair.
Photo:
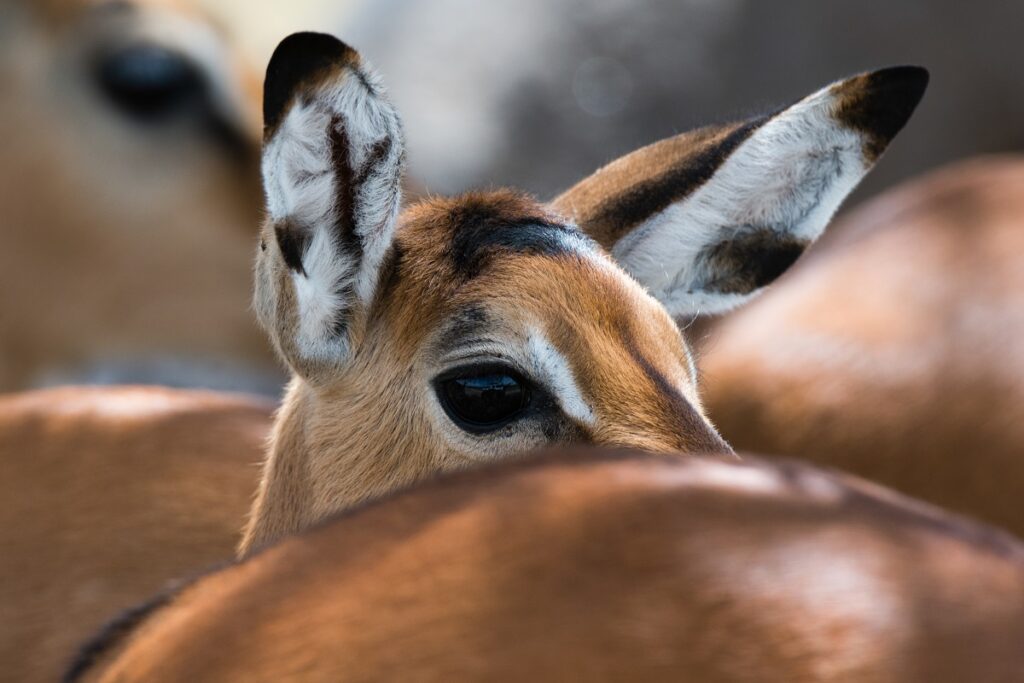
[(482, 232), (693, 432), (468, 324), (623, 212)]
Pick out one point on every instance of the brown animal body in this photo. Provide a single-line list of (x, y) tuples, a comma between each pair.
[(894, 352), (109, 494), (597, 567), (478, 327), (130, 198)]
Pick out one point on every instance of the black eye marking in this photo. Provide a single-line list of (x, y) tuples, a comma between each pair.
[(482, 398)]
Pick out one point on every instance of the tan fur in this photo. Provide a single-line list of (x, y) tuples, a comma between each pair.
[(596, 200), (331, 450), (361, 418), (124, 242), (596, 567), (895, 352), (109, 494)]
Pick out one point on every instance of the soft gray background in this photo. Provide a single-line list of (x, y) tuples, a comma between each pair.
[(537, 93)]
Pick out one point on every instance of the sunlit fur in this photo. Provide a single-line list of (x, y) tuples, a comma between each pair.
[(498, 277), (603, 567), (895, 353), (110, 493)]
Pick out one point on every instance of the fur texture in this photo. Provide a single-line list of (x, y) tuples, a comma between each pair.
[(130, 241), (782, 176), (609, 567), (370, 311), (894, 352)]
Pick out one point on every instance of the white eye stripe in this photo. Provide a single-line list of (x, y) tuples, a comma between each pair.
[(549, 366)]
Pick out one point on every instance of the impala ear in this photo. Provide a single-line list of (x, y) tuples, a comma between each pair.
[(332, 166), (706, 219)]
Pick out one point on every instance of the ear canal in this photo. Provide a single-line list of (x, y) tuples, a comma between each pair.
[(708, 218), (332, 165)]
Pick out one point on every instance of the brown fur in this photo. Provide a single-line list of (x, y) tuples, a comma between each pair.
[(124, 242), (108, 494), (597, 567), (621, 335), (614, 199), (360, 418), (895, 353)]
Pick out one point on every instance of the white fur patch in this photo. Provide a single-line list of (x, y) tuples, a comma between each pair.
[(302, 187), (789, 176), (549, 366)]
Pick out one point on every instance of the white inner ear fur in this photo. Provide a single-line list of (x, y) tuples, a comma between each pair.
[(301, 186), (789, 176)]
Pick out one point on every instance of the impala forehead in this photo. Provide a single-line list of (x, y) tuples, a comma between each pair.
[(574, 323), (519, 281)]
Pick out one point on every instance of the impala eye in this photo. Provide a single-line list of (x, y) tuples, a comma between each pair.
[(480, 400), (150, 83)]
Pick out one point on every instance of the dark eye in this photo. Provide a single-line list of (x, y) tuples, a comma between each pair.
[(148, 82), (483, 400)]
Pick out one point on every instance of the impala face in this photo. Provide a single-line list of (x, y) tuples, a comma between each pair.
[(520, 331), (484, 325), (130, 181)]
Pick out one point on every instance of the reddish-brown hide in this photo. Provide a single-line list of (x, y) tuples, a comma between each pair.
[(894, 352), (108, 495), (597, 567)]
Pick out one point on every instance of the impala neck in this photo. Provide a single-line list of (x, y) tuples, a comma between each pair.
[(329, 451), (282, 501)]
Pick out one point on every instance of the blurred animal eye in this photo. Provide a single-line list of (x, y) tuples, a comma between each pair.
[(483, 400), (148, 82)]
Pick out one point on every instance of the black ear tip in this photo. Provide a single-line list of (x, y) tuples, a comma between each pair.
[(908, 81), (880, 103), (299, 58)]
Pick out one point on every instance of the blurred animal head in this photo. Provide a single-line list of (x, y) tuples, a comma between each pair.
[(130, 186), (481, 326)]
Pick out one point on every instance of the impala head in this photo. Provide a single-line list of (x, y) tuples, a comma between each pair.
[(130, 181), (480, 326)]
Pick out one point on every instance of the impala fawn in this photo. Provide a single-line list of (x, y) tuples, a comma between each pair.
[(472, 328)]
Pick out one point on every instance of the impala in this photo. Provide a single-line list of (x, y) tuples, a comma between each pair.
[(472, 328), (130, 181), (108, 494), (461, 330), (601, 567), (895, 353)]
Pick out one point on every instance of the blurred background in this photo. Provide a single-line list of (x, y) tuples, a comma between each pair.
[(129, 185)]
